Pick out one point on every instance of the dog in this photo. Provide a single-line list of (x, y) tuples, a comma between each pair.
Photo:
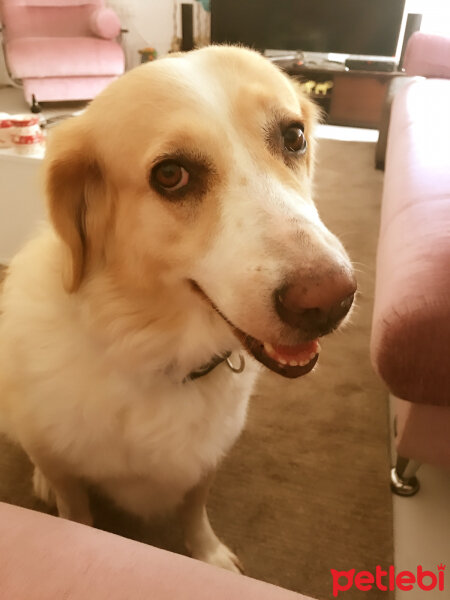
[(183, 251)]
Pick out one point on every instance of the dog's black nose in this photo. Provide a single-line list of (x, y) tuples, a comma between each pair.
[(316, 306)]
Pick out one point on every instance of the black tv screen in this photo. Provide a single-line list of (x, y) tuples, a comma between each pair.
[(367, 27)]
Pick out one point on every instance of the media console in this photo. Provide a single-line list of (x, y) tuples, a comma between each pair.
[(348, 97)]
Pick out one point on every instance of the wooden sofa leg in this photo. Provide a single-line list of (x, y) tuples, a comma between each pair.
[(403, 479)]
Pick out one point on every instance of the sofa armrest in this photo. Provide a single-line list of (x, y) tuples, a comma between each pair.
[(428, 55), (47, 557), (104, 23), (410, 341)]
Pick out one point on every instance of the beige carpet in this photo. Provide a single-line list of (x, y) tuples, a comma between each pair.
[(306, 488)]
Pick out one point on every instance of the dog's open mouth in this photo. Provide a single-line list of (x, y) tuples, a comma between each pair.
[(288, 361)]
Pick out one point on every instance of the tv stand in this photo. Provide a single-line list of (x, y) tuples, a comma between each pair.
[(361, 64), (352, 98)]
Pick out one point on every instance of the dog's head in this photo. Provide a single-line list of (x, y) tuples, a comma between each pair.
[(193, 174)]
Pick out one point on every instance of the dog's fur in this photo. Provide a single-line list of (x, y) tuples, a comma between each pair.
[(101, 323)]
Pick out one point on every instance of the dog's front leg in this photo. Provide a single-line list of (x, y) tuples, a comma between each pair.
[(199, 537), (51, 480)]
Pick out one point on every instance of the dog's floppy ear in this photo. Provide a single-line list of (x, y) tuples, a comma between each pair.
[(74, 189)]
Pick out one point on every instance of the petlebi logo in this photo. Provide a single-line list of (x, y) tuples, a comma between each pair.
[(389, 580)]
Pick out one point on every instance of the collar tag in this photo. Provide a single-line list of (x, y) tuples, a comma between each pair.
[(241, 366), (216, 361)]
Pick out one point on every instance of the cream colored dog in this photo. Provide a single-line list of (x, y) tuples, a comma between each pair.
[(182, 230)]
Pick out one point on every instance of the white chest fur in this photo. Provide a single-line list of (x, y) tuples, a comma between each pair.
[(144, 440), (145, 446), (162, 445)]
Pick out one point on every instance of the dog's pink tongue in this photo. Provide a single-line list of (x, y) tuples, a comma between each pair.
[(300, 352)]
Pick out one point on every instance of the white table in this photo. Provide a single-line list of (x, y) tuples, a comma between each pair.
[(21, 201)]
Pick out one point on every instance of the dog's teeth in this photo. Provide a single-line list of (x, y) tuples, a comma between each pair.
[(270, 351), (319, 348), (268, 348)]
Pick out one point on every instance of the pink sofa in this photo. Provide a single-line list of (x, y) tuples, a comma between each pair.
[(47, 558), (61, 49), (410, 343)]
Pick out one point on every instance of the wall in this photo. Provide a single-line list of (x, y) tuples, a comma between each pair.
[(436, 15), (150, 23), (153, 23)]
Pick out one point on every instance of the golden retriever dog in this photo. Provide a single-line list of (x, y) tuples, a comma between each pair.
[(184, 248)]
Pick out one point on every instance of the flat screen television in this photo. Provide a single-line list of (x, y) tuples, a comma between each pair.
[(361, 27)]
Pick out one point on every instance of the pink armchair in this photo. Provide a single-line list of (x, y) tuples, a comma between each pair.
[(61, 49)]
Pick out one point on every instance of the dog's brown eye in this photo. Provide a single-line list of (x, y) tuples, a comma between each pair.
[(294, 139), (170, 176)]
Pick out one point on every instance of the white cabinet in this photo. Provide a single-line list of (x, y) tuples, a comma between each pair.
[(21, 201)]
